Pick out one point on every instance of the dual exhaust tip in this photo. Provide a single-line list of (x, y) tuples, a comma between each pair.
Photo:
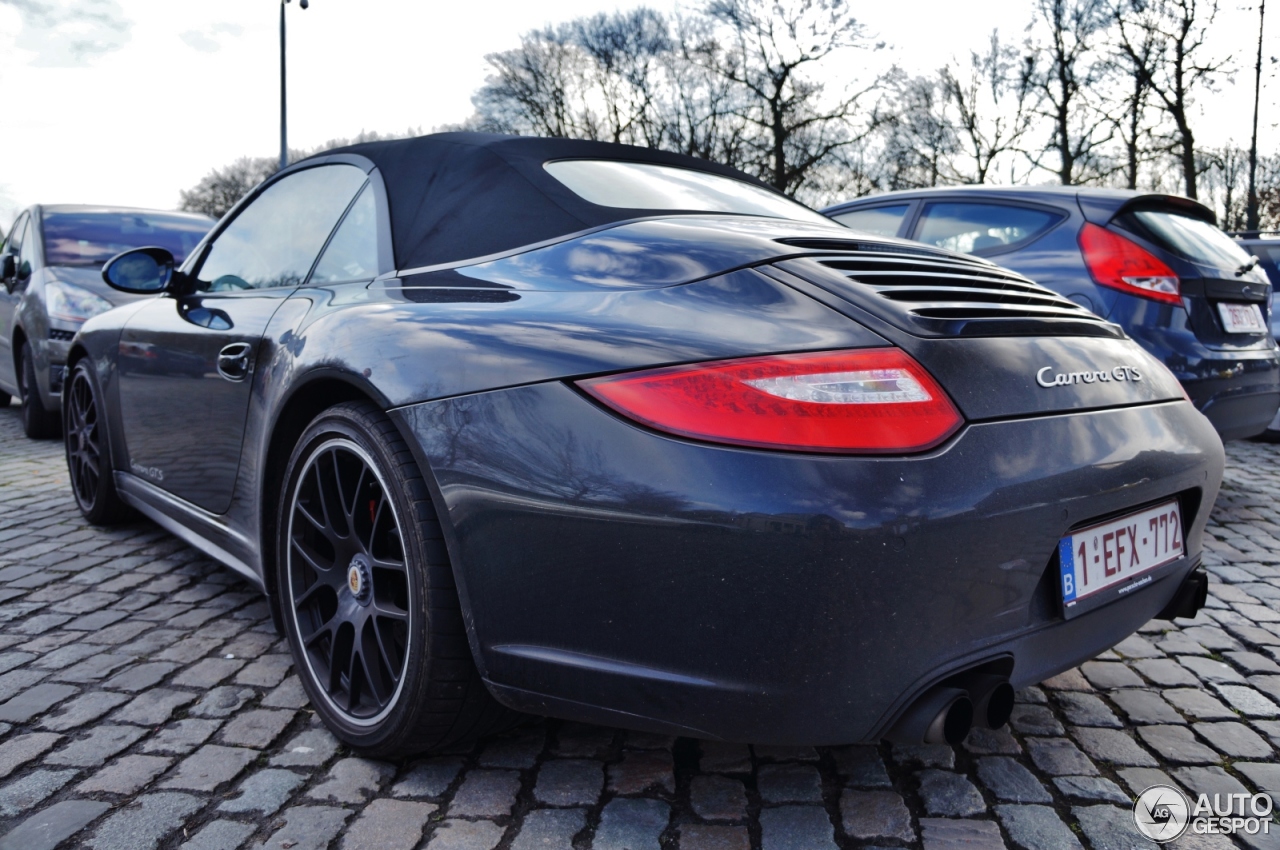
[(944, 715)]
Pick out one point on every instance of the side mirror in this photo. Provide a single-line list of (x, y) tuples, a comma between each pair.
[(142, 271)]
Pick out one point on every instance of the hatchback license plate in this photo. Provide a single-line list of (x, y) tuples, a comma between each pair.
[(1110, 553), (1241, 318)]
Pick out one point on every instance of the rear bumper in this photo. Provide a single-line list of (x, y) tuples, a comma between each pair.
[(610, 574), (1238, 390)]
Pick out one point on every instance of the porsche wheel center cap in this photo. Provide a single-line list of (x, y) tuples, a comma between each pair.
[(358, 579)]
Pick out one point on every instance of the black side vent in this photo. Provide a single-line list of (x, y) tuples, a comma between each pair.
[(64, 336), (934, 294)]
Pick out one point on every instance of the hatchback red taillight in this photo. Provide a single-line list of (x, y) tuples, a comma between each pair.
[(1125, 265), (862, 401)]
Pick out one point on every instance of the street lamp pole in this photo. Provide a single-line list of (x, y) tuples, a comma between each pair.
[(1251, 203), (284, 113)]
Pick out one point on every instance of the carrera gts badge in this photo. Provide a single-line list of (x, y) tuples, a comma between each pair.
[(146, 471), (1062, 379)]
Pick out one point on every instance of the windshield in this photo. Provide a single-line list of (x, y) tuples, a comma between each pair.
[(84, 238), (1194, 239), (644, 186)]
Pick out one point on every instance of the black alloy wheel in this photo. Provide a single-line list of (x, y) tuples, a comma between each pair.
[(37, 423), (88, 454), (367, 596), (348, 581)]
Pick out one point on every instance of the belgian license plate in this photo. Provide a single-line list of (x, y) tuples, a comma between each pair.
[(1241, 318), (1111, 553)]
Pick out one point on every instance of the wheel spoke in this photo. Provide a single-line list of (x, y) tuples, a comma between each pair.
[(316, 522), (337, 485), (353, 691), (324, 572), (325, 628), (308, 595), (324, 506), (355, 492), (335, 672), (391, 613), (371, 678), (389, 661)]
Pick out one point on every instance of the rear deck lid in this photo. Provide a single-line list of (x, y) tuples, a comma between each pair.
[(999, 344)]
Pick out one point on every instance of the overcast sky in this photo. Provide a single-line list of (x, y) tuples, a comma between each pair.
[(130, 101)]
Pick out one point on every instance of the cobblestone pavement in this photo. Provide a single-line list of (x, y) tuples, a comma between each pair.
[(145, 701)]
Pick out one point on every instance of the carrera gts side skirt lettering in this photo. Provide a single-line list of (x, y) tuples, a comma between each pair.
[(180, 519), (1062, 379)]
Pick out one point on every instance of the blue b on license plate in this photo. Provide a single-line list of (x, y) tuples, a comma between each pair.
[(1115, 552)]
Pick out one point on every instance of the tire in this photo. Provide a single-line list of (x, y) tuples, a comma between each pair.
[(89, 450), (5, 398), (1268, 436), (384, 578), (37, 423)]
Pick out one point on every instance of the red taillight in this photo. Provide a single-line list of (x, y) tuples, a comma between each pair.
[(864, 401), (1125, 265)]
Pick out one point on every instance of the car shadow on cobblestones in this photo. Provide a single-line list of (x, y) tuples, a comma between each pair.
[(146, 701)]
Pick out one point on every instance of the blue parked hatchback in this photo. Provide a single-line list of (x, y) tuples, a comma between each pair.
[(1157, 265)]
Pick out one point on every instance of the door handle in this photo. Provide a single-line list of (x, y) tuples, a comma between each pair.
[(233, 361)]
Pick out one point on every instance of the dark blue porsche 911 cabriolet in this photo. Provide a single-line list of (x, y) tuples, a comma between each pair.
[(627, 437)]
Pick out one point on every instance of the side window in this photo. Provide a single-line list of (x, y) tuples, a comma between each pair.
[(977, 228), (1270, 258), (14, 245), (353, 251), (275, 239), (878, 221)]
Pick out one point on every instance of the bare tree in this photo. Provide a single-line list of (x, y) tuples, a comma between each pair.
[(1065, 84), (734, 81), (1223, 175), (919, 138), (768, 50), (993, 99), (1176, 68), (1128, 114), (1267, 185), (222, 188), (537, 88), (627, 50), (702, 105)]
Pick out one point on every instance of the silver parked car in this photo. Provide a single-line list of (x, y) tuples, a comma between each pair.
[(51, 265)]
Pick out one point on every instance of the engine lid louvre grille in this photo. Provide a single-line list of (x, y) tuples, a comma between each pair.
[(948, 296)]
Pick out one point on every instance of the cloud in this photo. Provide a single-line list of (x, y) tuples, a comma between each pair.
[(70, 33), (208, 41)]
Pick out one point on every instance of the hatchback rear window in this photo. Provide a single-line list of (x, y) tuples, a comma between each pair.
[(1270, 258), (1194, 239), (645, 186), (92, 238), (878, 221), (977, 228)]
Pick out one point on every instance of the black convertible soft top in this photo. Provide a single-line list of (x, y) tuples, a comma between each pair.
[(455, 196)]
